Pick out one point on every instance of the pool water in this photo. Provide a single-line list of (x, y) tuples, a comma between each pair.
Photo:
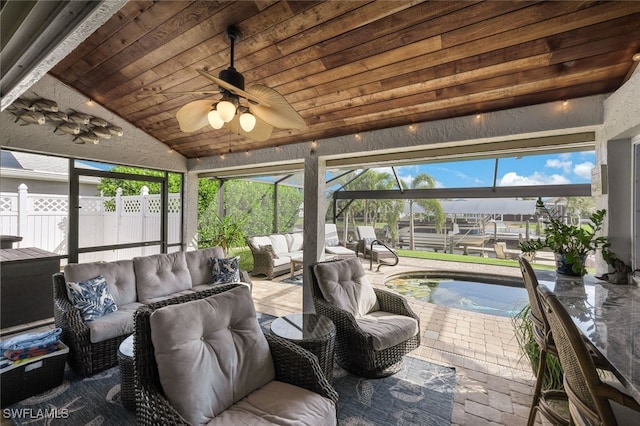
[(476, 294)]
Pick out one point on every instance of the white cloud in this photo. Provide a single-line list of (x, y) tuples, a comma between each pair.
[(514, 179), (555, 163), (583, 170)]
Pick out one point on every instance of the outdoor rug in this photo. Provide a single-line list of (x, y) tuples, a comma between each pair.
[(421, 394), (297, 279)]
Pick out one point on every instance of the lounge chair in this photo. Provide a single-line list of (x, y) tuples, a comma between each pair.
[(332, 244), (367, 235)]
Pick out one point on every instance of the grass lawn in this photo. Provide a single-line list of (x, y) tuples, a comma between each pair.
[(246, 258)]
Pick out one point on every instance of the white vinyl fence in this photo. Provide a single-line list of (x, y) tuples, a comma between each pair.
[(42, 220)]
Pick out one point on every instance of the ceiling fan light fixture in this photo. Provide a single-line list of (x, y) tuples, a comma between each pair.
[(227, 109), (247, 121), (214, 119)]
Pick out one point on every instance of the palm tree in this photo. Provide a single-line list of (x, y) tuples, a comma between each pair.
[(431, 206)]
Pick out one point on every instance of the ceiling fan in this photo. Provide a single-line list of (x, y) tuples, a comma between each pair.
[(252, 113)]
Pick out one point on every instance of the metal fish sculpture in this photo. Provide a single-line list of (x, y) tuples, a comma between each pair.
[(45, 105), (98, 122), (57, 116), (115, 130), (101, 133), (22, 104), (30, 117), (80, 118), (86, 137), (71, 128)]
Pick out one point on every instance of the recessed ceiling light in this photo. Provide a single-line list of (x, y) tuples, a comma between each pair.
[(636, 57)]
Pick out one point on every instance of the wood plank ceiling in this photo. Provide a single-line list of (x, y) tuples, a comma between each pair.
[(353, 66)]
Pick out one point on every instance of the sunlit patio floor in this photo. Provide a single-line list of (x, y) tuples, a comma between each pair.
[(493, 382)]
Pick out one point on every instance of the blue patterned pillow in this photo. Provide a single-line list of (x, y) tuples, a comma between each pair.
[(91, 297), (225, 270)]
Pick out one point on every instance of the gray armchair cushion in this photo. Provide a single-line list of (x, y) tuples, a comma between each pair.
[(388, 329), (280, 403), (121, 280), (199, 264), (211, 353), (161, 274), (344, 284)]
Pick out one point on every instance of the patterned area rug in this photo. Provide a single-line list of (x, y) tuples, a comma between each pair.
[(297, 279), (421, 394)]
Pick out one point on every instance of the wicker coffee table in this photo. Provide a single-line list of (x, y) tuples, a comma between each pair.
[(316, 333), (127, 386)]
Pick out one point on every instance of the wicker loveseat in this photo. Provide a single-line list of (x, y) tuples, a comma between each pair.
[(93, 346), (202, 359)]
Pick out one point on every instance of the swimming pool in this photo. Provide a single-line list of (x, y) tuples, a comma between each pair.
[(487, 294)]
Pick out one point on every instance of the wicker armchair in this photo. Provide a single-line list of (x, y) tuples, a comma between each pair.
[(355, 350), (591, 401), (292, 364)]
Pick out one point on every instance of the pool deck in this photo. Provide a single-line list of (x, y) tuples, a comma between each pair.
[(493, 382)]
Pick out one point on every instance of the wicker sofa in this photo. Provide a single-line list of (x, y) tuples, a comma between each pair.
[(272, 254), (93, 346)]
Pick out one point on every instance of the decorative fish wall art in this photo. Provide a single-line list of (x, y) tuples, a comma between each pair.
[(84, 128)]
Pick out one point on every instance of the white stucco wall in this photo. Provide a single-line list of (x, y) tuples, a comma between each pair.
[(134, 148), (615, 149)]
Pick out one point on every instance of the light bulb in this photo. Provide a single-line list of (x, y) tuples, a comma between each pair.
[(226, 109), (247, 121), (214, 119)]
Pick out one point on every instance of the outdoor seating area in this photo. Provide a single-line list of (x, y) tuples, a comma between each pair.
[(320, 213)]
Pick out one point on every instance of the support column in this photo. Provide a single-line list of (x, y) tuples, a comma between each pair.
[(314, 217), (190, 212)]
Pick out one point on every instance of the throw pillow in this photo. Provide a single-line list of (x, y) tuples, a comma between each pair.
[(91, 297), (268, 249), (225, 270)]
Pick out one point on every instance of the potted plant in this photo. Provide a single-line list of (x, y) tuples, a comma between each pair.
[(224, 231), (571, 243)]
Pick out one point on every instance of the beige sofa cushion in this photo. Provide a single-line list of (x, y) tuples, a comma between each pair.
[(161, 274), (199, 264), (280, 403), (115, 324), (388, 329), (279, 243), (211, 353), (344, 284), (294, 241), (121, 280)]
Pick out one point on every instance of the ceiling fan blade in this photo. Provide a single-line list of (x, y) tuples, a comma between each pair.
[(193, 116), (275, 109), (233, 89), (261, 132)]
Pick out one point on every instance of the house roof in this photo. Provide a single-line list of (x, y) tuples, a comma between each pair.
[(15, 164), (484, 206)]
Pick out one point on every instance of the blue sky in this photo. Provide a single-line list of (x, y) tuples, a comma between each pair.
[(548, 169)]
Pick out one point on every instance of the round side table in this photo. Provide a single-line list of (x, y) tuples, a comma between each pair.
[(315, 333), (127, 386)]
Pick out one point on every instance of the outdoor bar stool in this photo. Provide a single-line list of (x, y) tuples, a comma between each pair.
[(544, 339)]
